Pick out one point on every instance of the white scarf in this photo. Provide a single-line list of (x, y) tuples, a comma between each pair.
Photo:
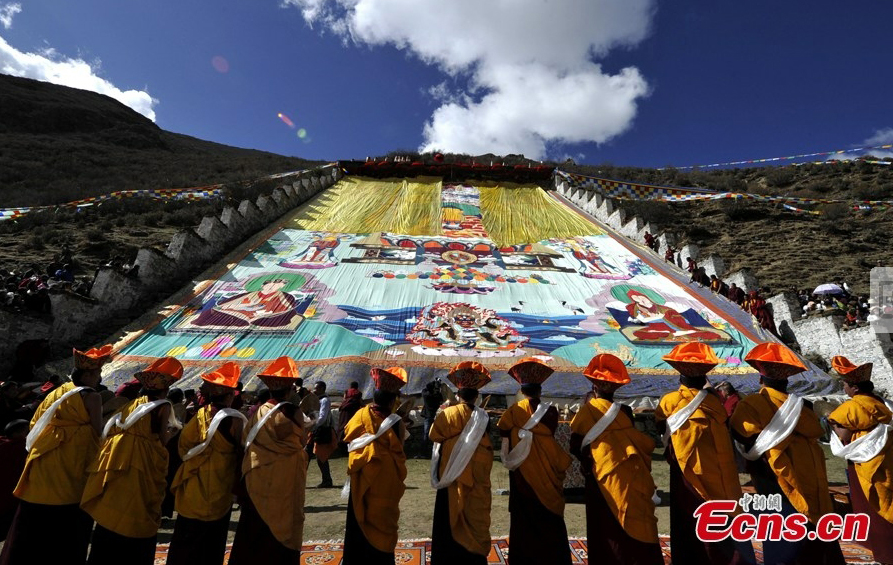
[(364, 440), (221, 414), (462, 452), (45, 418), (863, 449), (602, 424), (512, 460), (780, 427), (135, 416), (678, 418), (255, 429)]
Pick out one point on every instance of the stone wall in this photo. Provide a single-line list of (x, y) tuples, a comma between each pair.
[(116, 299), (821, 336)]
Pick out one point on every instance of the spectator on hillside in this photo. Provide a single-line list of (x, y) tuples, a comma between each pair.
[(649, 240), (670, 254), (692, 265), (736, 294), (65, 274)]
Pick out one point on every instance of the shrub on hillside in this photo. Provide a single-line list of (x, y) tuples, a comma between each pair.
[(782, 176), (835, 212)]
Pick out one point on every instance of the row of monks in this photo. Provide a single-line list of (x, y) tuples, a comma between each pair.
[(79, 472)]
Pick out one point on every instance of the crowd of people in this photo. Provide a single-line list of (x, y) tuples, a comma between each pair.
[(27, 287), (751, 302), (856, 310), (100, 465)]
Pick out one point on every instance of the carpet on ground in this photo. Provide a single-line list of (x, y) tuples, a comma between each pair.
[(416, 552)]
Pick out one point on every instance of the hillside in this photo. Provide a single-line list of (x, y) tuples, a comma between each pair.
[(59, 144), (784, 249)]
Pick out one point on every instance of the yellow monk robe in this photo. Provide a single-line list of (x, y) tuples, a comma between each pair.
[(703, 445), (470, 494), (798, 462), (127, 481), (203, 485), (622, 468), (376, 475), (861, 414), (275, 470), (56, 469), (545, 467)]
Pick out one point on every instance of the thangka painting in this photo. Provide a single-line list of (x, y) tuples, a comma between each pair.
[(458, 288)]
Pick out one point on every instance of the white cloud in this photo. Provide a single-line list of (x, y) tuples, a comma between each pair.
[(533, 80), (47, 65), (7, 11), (883, 136)]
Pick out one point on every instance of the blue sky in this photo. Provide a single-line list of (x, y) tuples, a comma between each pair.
[(633, 83)]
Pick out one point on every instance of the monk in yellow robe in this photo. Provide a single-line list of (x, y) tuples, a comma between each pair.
[(793, 467), (536, 498), (127, 482), (376, 467), (62, 444), (274, 470), (211, 449), (461, 532), (870, 468), (621, 527), (701, 457)]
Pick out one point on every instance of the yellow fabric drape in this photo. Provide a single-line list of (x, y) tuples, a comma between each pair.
[(860, 415), (377, 473), (56, 469), (362, 205), (470, 494), (622, 467), (515, 214), (703, 445), (806, 482), (203, 485), (545, 467), (275, 470), (126, 483)]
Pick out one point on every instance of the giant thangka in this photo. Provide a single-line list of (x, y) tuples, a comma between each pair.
[(423, 274)]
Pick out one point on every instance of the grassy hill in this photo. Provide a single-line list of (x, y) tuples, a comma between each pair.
[(783, 248), (60, 144)]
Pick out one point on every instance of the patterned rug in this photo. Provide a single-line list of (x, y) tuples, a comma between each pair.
[(417, 552)]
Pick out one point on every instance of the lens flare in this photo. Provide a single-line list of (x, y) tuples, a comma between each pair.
[(285, 119), (220, 64), (302, 133)]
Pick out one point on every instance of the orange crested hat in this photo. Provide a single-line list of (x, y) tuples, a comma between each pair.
[(530, 371), (774, 361), (389, 380), (227, 375), (693, 359), (281, 373), (469, 374), (92, 358), (160, 374), (607, 368), (849, 372)]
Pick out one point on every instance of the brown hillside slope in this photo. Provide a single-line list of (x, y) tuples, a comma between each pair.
[(59, 144), (784, 249)]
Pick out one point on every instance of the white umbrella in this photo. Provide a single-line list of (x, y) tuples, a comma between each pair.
[(828, 288)]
